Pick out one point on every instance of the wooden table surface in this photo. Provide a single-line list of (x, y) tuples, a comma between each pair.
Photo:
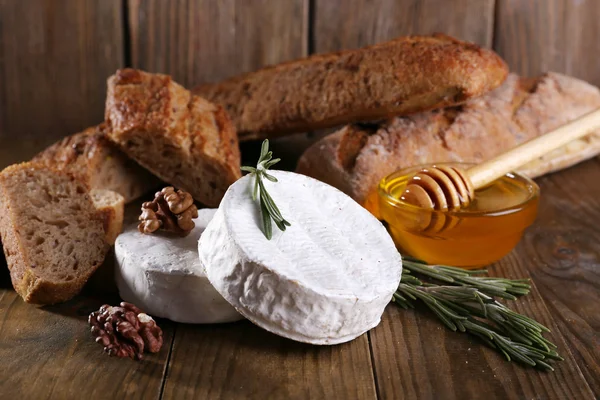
[(48, 352)]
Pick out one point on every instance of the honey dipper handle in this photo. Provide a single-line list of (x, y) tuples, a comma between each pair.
[(496, 167)]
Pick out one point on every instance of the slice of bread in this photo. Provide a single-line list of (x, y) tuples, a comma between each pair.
[(94, 159), (53, 236), (111, 206), (183, 139)]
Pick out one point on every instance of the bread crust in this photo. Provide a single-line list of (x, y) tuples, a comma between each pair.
[(399, 77), (519, 110), (182, 138), (92, 158)]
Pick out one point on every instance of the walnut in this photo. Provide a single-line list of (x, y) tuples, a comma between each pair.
[(171, 210), (125, 331)]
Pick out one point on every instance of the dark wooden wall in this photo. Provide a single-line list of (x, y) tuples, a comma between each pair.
[(55, 55)]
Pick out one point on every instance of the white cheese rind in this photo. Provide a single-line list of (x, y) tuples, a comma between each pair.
[(327, 279), (162, 275)]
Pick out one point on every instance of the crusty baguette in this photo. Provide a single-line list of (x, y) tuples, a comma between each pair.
[(182, 138), (355, 158), (52, 235), (91, 157), (399, 77), (111, 206)]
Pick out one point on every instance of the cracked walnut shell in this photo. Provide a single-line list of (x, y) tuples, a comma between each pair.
[(171, 210)]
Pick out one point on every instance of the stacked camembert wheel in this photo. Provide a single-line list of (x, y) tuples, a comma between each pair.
[(161, 274), (325, 280)]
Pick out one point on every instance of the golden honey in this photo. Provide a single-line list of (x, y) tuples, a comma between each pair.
[(478, 235)]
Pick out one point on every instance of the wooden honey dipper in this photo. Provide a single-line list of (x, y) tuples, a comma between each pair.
[(451, 188)]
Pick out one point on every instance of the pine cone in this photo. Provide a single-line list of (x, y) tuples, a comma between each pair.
[(171, 210), (125, 331)]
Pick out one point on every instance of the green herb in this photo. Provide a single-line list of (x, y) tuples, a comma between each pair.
[(268, 208), (465, 303)]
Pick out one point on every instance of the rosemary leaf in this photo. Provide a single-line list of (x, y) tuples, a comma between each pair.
[(256, 182), (269, 211), (271, 207), (269, 177), (498, 287), (269, 164), (266, 218), (264, 149)]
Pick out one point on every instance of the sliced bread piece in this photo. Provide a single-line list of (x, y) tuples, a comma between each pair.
[(52, 235), (183, 139), (111, 206), (91, 157)]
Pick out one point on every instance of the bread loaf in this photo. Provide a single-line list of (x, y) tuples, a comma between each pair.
[(183, 139), (52, 235), (355, 158), (91, 157), (399, 77)]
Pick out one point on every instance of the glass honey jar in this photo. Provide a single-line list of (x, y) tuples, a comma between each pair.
[(476, 236)]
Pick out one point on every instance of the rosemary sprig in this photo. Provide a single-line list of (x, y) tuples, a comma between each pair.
[(268, 209), (469, 306), (500, 287)]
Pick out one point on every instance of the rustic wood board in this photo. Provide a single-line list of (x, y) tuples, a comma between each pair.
[(240, 360), (204, 41), (550, 35), (49, 353), (55, 57), (415, 356), (563, 249)]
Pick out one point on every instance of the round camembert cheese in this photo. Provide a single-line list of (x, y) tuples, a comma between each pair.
[(327, 279), (161, 274)]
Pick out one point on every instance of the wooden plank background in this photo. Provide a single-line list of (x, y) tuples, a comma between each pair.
[(55, 56)]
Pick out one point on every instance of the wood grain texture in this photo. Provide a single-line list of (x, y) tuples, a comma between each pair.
[(415, 356), (55, 56), (355, 23), (564, 249), (48, 352), (240, 360), (550, 35), (200, 41)]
